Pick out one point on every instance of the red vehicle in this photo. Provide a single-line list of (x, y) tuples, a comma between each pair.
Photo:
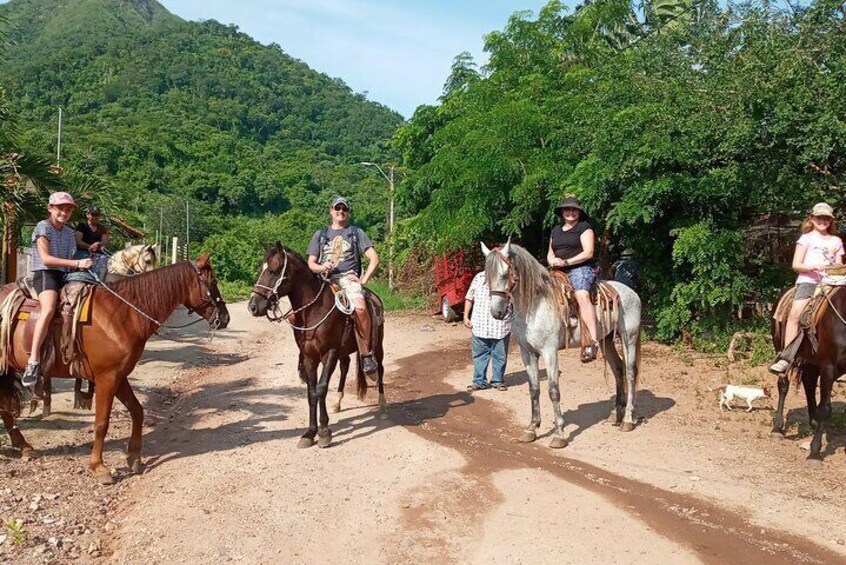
[(454, 272)]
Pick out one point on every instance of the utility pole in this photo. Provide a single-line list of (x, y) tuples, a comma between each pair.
[(187, 230), (390, 179), (59, 142)]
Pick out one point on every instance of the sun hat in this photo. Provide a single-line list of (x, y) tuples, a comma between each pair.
[(822, 209), (60, 198), (340, 200), (569, 202)]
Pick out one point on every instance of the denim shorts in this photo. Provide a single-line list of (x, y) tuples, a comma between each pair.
[(582, 277), (804, 291)]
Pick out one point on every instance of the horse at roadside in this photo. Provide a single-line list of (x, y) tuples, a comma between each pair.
[(131, 261), (515, 277), (123, 316), (817, 368), (323, 332)]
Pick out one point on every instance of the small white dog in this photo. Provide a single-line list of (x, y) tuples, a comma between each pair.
[(747, 393)]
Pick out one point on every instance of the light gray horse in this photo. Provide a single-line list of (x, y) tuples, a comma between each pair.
[(537, 324)]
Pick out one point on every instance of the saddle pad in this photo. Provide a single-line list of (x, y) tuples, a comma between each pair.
[(31, 306)]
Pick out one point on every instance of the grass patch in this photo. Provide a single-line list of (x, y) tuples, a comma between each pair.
[(394, 301), (234, 291)]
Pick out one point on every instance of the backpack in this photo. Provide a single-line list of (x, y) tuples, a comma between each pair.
[(324, 239)]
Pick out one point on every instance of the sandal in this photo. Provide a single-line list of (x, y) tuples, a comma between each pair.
[(475, 387), (500, 387)]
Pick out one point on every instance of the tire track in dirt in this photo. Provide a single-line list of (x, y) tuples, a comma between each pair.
[(428, 406)]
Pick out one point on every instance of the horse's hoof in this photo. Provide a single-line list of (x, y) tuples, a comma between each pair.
[(104, 477), (135, 465), (336, 408), (615, 419), (557, 442), (813, 462), (28, 454), (627, 427), (305, 442), (324, 440), (383, 414), (775, 434), (528, 436)]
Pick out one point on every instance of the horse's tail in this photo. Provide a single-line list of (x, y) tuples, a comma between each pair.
[(11, 393)]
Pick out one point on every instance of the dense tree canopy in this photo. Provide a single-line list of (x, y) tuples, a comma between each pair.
[(169, 111), (680, 125)]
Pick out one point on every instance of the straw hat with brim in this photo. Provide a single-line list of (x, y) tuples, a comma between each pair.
[(822, 209), (569, 202), (61, 198)]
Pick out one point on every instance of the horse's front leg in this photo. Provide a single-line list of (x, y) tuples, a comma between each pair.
[(133, 449), (106, 388), (551, 359), (344, 363), (309, 373), (778, 422), (616, 364), (18, 441), (324, 434), (530, 360), (827, 377)]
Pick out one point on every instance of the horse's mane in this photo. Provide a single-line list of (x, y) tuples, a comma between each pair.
[(279, 248), (153, 292), (533, 281)]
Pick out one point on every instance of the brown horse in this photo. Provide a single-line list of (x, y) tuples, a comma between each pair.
[(823, 366), (323, 333), (111, 344)]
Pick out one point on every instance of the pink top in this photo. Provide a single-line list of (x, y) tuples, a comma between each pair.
[(819, 249)]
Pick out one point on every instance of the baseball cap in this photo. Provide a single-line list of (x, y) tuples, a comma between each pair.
[(60, 198), (340, 200)]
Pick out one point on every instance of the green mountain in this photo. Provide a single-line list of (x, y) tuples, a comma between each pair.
[(169, 110)]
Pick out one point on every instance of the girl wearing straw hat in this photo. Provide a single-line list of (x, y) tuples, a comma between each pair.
[(817, 248)]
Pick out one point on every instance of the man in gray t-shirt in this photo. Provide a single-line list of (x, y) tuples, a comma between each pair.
[(336, 251)]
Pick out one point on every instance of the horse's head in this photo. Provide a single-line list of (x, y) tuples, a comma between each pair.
[(204, 298), (500, 278), (146, 259), (274, 280)]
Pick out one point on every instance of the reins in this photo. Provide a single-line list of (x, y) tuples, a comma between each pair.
[(272, 297), (512, 278)]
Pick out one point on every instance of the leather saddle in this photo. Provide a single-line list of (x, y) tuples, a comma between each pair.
[(810, 316), (605, 297), (20, 305)]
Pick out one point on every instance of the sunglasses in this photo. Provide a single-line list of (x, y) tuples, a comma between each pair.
[(341, 208)]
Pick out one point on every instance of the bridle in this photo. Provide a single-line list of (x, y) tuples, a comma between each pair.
[(214, 321), (512, 278), (271, 294)]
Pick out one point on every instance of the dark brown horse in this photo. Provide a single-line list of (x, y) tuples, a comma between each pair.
[(111, 344), (823, 367), (324, 334)]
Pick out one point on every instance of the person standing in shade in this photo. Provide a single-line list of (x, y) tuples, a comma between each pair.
[(335, 251), (92, 237), (490, 336), (625, 270)]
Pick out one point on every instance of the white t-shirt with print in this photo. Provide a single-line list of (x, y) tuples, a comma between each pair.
[(819, 250)]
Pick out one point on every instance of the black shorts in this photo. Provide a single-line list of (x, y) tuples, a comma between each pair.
[(49, 279)]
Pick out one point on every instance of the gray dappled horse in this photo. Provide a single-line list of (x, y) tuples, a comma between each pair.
[(540, 329)]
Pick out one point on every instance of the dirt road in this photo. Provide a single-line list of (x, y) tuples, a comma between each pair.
[(441, 481)]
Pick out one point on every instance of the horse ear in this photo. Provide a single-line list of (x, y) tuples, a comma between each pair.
[(278, 245), (203, 260), (506, 249), (485, 249)]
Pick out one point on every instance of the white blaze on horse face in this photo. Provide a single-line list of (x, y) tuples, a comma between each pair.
[(264, 267), (485, 249)]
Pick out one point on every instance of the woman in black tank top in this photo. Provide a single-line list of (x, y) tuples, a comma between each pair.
[(571, 249)]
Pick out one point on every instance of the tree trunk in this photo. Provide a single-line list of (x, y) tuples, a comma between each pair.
[(10, 245)]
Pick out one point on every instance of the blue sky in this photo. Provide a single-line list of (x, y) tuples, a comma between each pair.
[(399, 51)]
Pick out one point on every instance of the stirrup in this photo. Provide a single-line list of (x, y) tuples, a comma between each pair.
[(369, 366)]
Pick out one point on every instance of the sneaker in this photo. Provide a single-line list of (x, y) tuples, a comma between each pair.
[(31, 374), (780, 367), (368, 365), (590, 352)]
